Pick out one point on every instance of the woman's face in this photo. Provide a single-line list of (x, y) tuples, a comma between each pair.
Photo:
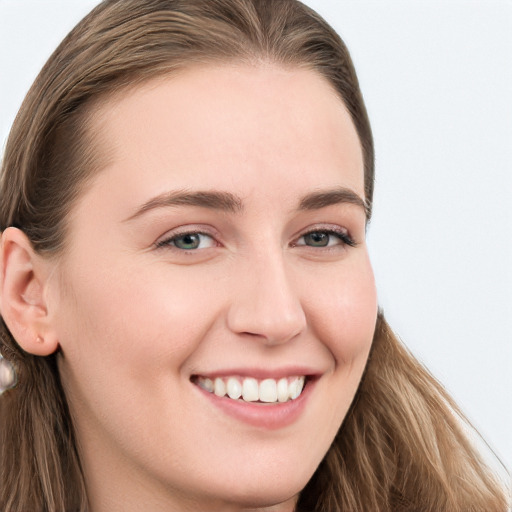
[(221, 247)]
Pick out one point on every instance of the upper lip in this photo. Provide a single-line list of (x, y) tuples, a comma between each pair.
[(262, 373)]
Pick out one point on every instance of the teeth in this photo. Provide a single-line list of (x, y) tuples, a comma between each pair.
[(295, 388), (207, 384), (220, 387), (268, 390), (234, 388), (282, 390), (250, 390)]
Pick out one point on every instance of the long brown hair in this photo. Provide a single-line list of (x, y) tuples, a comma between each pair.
[(402, 445)]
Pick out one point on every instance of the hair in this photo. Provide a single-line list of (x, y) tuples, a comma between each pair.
[(402, 445)]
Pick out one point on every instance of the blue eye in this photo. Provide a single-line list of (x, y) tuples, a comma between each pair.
[(189, 241), (325, 238)]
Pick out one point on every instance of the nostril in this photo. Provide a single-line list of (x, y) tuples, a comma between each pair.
[(270, 339), (266, 307)]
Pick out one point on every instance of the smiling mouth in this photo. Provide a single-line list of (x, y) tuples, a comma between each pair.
[(249, 389)]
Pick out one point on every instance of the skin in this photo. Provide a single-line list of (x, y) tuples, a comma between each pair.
[(136, 319)]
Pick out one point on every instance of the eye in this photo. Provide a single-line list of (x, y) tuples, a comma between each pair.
[(188, 241), (325, 238)]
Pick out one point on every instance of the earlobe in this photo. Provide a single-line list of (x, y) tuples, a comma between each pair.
[(23, 275)]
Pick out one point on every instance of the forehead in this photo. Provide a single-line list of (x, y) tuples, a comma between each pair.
[(221, 126)]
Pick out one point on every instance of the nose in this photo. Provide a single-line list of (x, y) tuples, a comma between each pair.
[(265, 305)]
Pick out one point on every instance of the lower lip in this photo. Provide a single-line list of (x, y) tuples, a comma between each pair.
[(267, 416)]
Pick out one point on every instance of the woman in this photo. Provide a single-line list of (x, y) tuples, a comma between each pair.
[(186, 291)]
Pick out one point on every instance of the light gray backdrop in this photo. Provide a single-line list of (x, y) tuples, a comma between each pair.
[(437, 79)]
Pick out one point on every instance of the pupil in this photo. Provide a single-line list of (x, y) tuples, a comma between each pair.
[(188, 242), (317, 239)]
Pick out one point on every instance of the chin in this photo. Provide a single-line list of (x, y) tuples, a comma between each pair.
[(255, 489), (256, 499)]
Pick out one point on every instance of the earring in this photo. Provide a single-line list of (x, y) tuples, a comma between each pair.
[(7, 375)]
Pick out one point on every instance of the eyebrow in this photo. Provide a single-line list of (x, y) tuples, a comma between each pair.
[(228, 202), (224, 201), (322, 199)]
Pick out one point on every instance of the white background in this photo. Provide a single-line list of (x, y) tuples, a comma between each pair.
[(437, 79)]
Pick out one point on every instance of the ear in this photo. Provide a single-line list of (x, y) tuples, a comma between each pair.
[(23, 280)]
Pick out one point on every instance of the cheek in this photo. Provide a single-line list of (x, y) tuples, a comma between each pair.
[(343, 318), (346, 313), (125, 336), (128, 320)]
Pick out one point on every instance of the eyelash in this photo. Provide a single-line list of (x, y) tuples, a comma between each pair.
[(170, 241), (342, 235)]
